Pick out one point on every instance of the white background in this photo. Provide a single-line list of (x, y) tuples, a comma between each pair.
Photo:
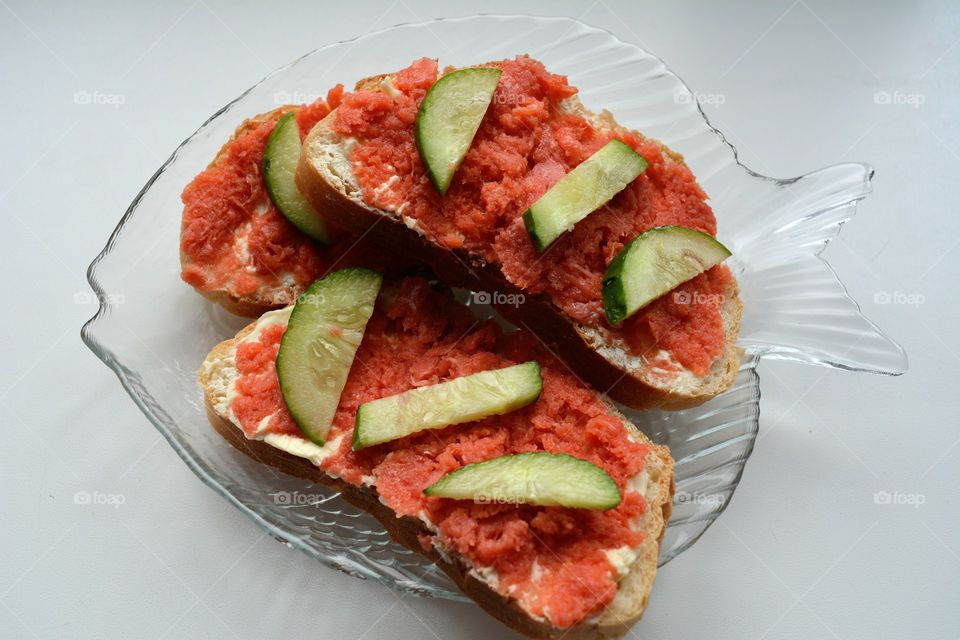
[(803, 550)]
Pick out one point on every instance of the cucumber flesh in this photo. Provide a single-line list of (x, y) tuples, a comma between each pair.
[(448, 119), (456, 401), (280, 158), (588, 187), (318, 347), (654, 263), (541, 478)]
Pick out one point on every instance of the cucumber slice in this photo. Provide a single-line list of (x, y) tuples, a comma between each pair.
[(652, 264), (317, 349), (543, 478), (465, 399), (280, 158), (588, 187), (449, 117)]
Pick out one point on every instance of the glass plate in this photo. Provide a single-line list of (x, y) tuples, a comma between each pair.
[(154, 331)]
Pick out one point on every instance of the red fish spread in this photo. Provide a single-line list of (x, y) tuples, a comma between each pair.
[(555, 562), (528, 140)]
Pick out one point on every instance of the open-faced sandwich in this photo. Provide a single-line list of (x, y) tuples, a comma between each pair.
[(475, 448), (484, 450), (249, 241), (499, 179)]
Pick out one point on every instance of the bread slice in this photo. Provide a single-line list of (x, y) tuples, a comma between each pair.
[(217, 376), (216, 276), (325, 176), (266, 296)]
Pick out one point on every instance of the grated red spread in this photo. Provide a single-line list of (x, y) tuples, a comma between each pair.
[(233, 236), (526, 144), (552, 560)]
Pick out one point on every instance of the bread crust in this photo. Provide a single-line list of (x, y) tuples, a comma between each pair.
[(612, 622), (327, 191)]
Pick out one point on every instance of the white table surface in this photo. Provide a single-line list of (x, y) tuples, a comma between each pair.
[(803, 550)]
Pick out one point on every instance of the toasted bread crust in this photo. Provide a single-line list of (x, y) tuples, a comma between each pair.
[(245, 306), (537, 314), (612, 622)]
